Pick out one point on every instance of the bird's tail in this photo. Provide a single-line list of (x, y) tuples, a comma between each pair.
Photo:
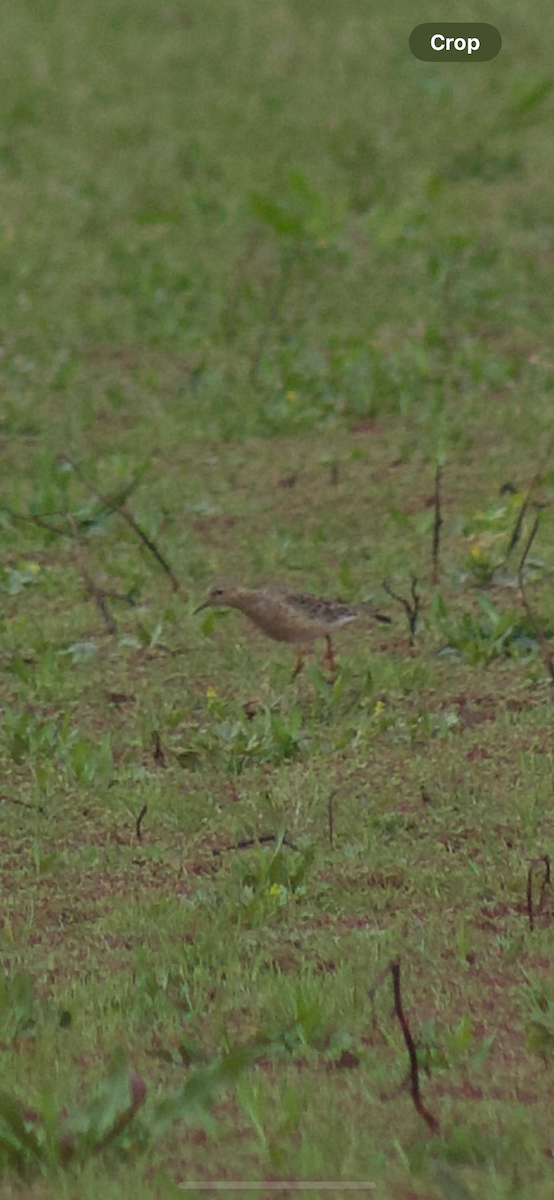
[(368, 608)]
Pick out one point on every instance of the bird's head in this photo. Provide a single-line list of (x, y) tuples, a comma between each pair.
[(219, 595)]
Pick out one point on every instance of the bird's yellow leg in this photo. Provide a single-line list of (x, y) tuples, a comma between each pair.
[(329, 656), (298, 665)]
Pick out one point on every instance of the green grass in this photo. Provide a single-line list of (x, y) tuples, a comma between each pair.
[(262, 271)]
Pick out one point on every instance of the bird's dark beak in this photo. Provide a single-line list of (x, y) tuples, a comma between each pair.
[(200, 607)]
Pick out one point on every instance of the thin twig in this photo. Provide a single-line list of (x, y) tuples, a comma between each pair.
[(125, 597), (36, 519), (111, 503), (158, 750), (116, 500), (437, 527), (528, 545), (516, 532), (411, 607), (246, 843), (96, 593), (139, 821), (137, 1096), (22, 804), (415, 1090), (42, 520)]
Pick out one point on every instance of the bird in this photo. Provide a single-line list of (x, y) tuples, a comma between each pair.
[(296, 617)]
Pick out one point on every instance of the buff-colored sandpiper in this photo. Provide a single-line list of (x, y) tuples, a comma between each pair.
[(295, 617)]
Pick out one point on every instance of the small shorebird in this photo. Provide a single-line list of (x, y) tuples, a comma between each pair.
[(295, 617)]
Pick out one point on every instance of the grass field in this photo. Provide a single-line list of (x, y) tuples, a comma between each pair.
[(267, 281)]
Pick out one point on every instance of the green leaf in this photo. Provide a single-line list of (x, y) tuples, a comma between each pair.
[(111, 1111), (16, 1138), (200, 1090), (539, 1038), (275, 215), (400, 518), (533, 96)]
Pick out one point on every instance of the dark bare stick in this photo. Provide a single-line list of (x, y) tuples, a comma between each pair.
[(415, 1091), (96, 594), (158, 750), (411, 607), (125, 597), (37, 519), (139, 821), (42, 520), (516, 532), (437, 523), (137, 1096), (110, 503), (22, 804), (527, 549), (246, 843)]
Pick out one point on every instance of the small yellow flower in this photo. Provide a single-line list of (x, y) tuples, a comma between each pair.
[(276, 889), (292, 397), (211, 693)]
